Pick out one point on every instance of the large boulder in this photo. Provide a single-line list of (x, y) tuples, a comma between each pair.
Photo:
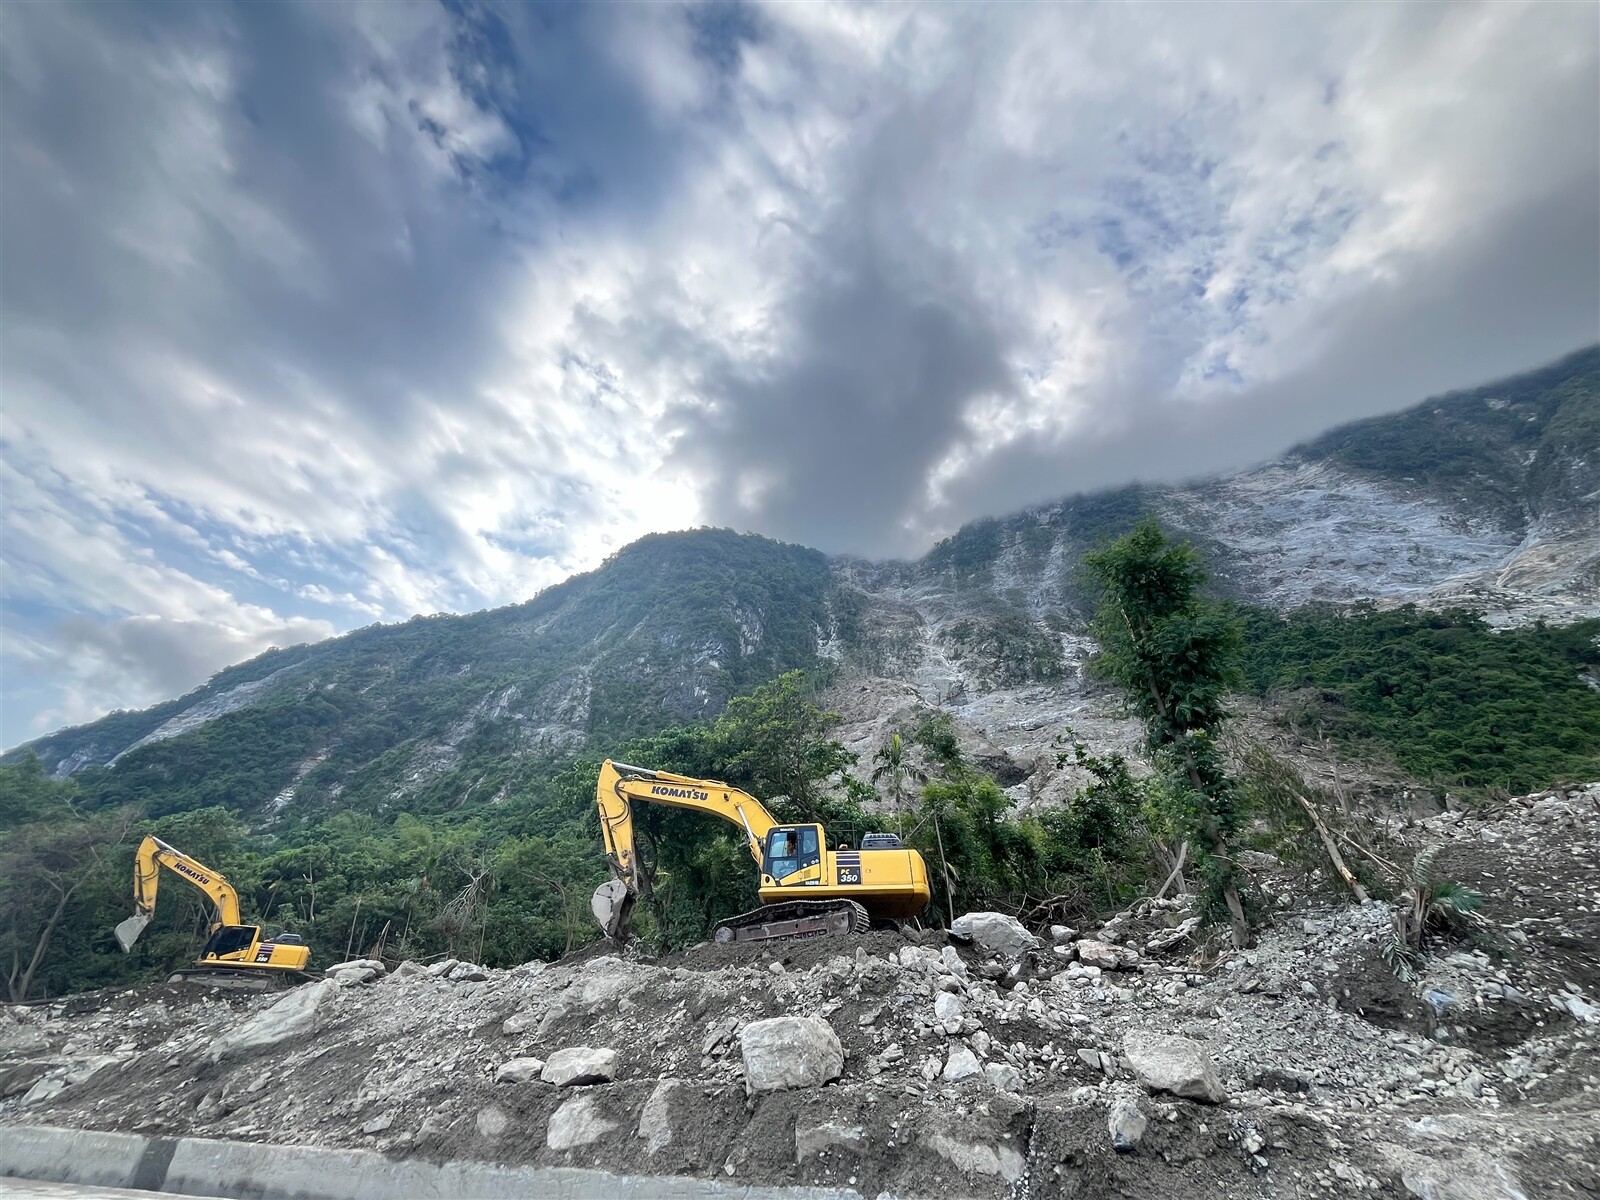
[(293, 1015), (577, 1123), (655, 1121), (993, 933), (577, 1065), (1164, 1063), (519, 1070), (789, 1052)]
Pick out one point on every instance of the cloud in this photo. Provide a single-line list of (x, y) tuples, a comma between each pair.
[(311, 315)]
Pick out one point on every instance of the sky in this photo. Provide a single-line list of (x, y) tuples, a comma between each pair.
[(314, 315)]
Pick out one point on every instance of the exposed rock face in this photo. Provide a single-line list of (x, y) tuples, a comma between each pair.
[(579, 1065), (1173, 1064), (293, 1015), (994, 933), (789, 1052)]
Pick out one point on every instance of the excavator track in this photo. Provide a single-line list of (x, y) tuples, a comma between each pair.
[(794, 919), (242, 979)]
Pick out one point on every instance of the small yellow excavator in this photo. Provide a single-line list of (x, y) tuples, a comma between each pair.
[(234, 955), (806, 889)]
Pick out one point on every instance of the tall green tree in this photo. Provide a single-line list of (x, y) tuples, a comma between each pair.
[(774, 743), (893, 764), (1175, 656)]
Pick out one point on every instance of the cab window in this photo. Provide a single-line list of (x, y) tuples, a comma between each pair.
[(791, 850), (230, 939)]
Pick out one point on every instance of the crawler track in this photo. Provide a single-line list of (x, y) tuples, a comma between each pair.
[(794, 919)]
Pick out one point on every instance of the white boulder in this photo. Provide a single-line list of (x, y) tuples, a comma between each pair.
[(1164, 1063), (993, 933), (293, 1015), (789, 1052), (519, 1070), (577, 1123), (578, 1065)]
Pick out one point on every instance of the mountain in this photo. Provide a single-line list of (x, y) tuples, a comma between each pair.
[(1489, 497)]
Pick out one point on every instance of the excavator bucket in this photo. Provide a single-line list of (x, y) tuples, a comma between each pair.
[(128, 931), (613, 908)]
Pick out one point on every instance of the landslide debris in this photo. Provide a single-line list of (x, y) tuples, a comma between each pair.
[(1115, 1062)]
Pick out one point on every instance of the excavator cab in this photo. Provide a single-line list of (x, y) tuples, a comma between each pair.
[(792, 850)]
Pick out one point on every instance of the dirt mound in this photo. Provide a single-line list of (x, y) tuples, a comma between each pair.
[(961, 1075)]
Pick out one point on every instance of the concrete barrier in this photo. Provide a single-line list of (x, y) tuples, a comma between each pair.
[(257, 1171)]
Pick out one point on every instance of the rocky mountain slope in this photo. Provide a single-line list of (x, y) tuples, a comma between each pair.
[(1490, 497), (1121, 1062)]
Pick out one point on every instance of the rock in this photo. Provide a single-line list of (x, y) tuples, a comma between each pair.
[(1061, 935), (357, 965), (1003, 1077), (947, 1008), (492, 1121), (518, 1023), (292, 1016), (1093, 953), (467, 973), (354, 977), (379, 1123), (1089, 1057), (962, 1064), (655, 1121), (978, 1158), (1167, 939), (811, 1140), (577, 1123), (993, 933), (20, 1078), (579, 1065), (1581, 1009), (789, 1052), (443, 967), (1173, 1064), (212, 1105), (408, 969), (45, 1089), (519, 1070), (1126, 1124)]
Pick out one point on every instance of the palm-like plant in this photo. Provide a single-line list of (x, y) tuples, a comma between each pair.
[(1428, 903), (893, 764)]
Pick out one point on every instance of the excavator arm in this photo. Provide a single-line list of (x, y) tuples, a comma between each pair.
[(152, 856), (618, 786)]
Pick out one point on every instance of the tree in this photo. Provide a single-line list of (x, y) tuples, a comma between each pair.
[(893, 764), (774, 743), (42, 868), (1175, 655)]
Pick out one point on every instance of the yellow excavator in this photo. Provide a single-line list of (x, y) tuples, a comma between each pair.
[(806, 889), (235, 954)]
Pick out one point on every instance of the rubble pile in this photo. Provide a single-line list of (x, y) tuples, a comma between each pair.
[(996, 1062)]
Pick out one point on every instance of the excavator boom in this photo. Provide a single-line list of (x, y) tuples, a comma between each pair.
[(806, 888)]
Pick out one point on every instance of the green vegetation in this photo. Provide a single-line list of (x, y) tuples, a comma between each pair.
[(1493, 447), (1452, 700), (1175, 656)]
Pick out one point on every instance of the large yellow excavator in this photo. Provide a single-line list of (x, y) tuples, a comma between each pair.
[(235, 955), (806, 888)]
